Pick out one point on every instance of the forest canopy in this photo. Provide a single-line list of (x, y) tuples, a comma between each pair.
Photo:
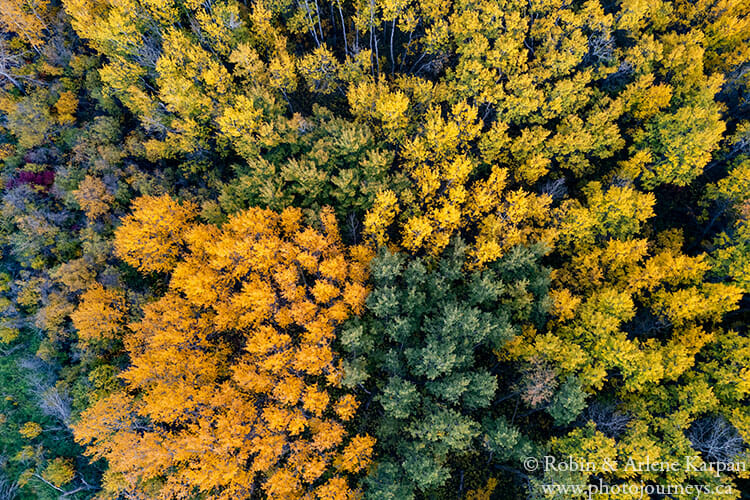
[(384, 249)]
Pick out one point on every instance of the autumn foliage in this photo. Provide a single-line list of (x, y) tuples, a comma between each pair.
[(372, 250), (234, 385)]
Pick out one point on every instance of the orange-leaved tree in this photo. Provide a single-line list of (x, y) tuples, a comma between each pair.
[(234, 385)]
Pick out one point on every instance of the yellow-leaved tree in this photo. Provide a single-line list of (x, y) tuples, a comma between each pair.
[(449, 197), (151, 238), (234, 386)]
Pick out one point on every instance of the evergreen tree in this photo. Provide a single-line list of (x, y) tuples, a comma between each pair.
[(426, 346)]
